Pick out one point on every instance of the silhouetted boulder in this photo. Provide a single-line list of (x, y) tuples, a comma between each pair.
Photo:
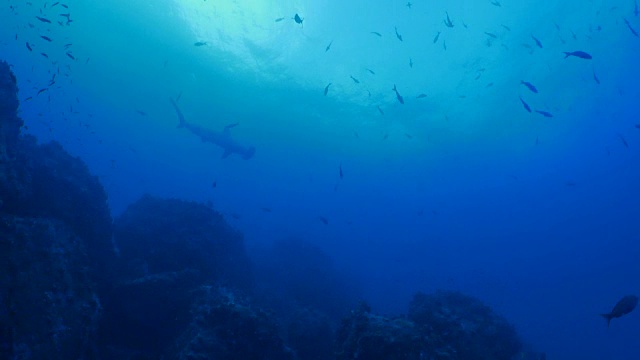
[(225, 327), (462, 327), (310, 334), (168, 249)]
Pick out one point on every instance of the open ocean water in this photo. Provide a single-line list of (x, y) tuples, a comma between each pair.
[(486, 147)]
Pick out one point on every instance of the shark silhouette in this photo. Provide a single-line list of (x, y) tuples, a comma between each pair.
[(221, 138)]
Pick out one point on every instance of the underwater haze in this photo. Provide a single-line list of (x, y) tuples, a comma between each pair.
[(504, 165)]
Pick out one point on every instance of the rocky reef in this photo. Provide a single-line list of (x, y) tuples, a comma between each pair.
[(170, 279)]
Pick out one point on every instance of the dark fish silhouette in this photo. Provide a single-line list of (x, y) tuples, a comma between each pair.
[(545, 113), (435, 39), (46, 38), (623, 307), (371, 71), (398, 35), (341, 174), (526, 106), (538, 42), (624, 141), (324, 220), (578, 54), (491, 35), (279, 19), (410, 63), (200, 43), (376, 33), (380, 110), (43, 20), (447, 21), (326, 89), (637, 126), (328, 46), (354, 79), (298, 19), (633, 31), (398, 96), (421, 96), (529, 85), (29, 47), (595, 78)]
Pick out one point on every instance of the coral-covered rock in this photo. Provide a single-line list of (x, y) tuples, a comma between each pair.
[(49, 308), (462, 327), (10, 123), (168, 249), (364, 335), (226, 328)]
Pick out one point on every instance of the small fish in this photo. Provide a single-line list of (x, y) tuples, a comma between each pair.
[(447, 21), (64, 6), (298, 19), (385, 137), (505, 27), (45, 55), (409, 136), (635, 7), (637, 126), (200, 43), (529, 85), (214, 184), (538, 42), (496, 3), (400, 99), (380, 110), (444, 45), (279, 19), (409, 4), (323, 220), (526, 106), (43, 20), (544, 113), (71, 56), (29, 47), (435, 39), (354, 79), (328, 46), (376, 33), (55, 3), (398, 35), (622, 307), (42, 90), (341, 174), (421, 96), (141, 112), (410, 63), (633, 31), (326, 89), (370, 71), (46, 38), (578, 54), (491, 35), (624, 141), (595, 78), (29, 98)]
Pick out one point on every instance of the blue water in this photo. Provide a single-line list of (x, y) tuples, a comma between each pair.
[(463, 189)]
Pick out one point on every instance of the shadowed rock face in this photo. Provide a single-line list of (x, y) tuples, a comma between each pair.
[(10, 123)]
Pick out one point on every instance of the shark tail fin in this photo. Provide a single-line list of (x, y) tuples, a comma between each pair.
[(567, 54), (607, 317), (182, 121)]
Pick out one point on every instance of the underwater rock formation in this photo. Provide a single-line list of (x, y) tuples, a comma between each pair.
[(54, 244), (227, 328), (462, 327), (168, 249), (439, 326)]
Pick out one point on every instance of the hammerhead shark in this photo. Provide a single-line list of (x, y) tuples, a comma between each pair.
[(222, 139)]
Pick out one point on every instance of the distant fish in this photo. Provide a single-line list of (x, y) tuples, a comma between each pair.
[(354, 79), (43, 20), (538, 42), (46, 38), (398, 35), (45, 55), (410, 63), (323, 220), (376, 33), (326, 89), (398, 96), (624, 141), (370, 71), (529, 86), (545, 113), (526, 106), (328, 46), (447, 21), (214, 184), (505, 27), (595, 78), (409, 4), (380, 110), (496, 3), (421, 96), (341, 174), (637, 126), (435, 39), (633, 31), (298, 19), (623, 307), (578, 54), (29, 46), (141, 112), (200, 43), (635, 7), (279, 19), (491, 35), (71, 56)]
